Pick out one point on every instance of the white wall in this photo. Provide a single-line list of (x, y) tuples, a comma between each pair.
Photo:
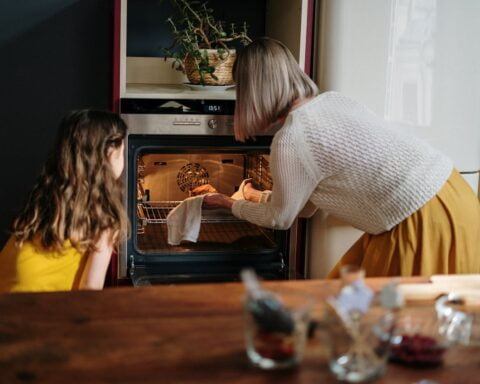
[(414, 62)]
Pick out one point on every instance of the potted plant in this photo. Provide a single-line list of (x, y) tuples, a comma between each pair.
[(204, 46)]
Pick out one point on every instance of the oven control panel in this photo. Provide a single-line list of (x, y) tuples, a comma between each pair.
[(192, 117), (212, 124), (187, 122), (150, 124)]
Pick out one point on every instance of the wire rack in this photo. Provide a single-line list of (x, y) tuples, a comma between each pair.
[(213, 237), (258, 168), (156, 212)]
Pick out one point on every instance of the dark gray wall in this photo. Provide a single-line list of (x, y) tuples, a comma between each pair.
[(55, 55), (149, 31)]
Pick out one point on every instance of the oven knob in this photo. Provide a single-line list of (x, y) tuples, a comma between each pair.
[(212, 124)]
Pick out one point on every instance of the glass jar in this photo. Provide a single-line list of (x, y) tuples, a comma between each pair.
[(276, 328), (358, 330), (359, 352)]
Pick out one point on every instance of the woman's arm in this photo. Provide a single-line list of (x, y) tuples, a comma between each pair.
[(252, 194), (219, 200), (93, 276), (291, 192), (295, 176), (293, 184)]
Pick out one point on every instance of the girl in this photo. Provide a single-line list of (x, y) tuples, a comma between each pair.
[(418, 214), (64, 237)]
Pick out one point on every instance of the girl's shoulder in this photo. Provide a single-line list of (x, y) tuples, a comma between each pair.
[(34, 248), (30, 267)]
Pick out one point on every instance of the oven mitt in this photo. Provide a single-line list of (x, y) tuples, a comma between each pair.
[(183, 222), (238, 195)]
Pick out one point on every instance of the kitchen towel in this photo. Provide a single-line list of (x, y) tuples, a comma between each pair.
[(183, 222)]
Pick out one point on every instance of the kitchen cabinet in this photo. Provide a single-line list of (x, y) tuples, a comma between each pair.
[(142, 72)]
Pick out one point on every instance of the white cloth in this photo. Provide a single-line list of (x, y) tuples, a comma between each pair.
[(183, 222), (348, 162), (239, 195)]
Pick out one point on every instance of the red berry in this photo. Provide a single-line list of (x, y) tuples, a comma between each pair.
[(417, 350)]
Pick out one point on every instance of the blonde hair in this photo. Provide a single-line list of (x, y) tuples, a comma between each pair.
[(77, 196), (268, 81)]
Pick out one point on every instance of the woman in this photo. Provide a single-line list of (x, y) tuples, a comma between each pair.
[(419, 216), (65, 235)]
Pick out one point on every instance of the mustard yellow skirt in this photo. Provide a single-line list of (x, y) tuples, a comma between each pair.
[(442, 237)]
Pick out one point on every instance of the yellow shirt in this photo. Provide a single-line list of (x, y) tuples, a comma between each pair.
[(31, 268)]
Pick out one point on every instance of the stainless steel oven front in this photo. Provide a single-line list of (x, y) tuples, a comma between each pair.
[(173, 146)]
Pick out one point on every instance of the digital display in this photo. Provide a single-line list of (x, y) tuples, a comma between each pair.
[(213, 108), (218, 107), (178, 106)]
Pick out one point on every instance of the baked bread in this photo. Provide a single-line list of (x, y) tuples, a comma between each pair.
[(201, 190)]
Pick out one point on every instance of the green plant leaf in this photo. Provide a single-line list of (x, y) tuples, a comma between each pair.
[(195, 29)]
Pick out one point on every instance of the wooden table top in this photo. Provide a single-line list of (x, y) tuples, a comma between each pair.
[(166, 334)]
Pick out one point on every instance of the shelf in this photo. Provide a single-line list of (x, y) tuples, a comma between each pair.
[(213, 238), (156, 212), (175, 91)]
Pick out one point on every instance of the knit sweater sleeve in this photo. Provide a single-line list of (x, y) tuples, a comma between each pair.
[(293, 184)]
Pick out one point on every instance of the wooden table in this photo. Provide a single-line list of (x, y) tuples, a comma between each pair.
[(165, 334)]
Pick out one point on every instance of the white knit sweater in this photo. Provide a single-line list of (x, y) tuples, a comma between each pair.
[(345, 160)]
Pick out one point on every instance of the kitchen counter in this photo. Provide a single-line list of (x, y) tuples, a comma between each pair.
[(166, 334)]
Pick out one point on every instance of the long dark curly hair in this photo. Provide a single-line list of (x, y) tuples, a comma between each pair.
[(77, 196)]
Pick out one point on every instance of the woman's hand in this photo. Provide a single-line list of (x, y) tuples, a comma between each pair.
[(250, 193), (217, 200), (201, 190)]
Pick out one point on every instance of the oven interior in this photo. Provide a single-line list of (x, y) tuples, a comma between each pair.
[(162, 176), (165, 180)]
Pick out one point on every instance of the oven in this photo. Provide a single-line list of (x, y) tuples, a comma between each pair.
[(173, 146)]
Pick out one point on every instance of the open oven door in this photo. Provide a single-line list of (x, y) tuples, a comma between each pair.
[(224, 247)]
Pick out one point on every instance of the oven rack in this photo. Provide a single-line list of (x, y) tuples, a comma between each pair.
[(258, 168), (156, 212)]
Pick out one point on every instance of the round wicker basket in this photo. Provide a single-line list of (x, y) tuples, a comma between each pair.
[(223, 68)]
